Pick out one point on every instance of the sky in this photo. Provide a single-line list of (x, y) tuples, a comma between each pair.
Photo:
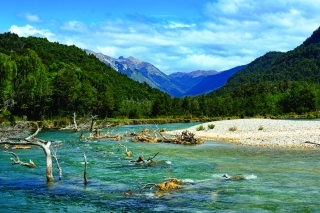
[(173, 35)]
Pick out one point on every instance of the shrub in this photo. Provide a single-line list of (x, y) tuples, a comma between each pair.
[(234, 128), (260, 128), (211, 126), (200, 128)]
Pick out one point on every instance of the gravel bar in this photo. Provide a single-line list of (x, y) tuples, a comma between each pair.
[(261, 132)]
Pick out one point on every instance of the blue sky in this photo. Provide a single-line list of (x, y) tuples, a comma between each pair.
[(173, 35)]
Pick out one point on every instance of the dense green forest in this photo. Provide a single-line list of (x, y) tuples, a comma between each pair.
[(277, 83), (46, 80)]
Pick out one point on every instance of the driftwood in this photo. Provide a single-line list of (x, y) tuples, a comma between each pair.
[(32, 141), (147, 162), (20, 147), (54, 155), (185, 138), (151, 159), (76, 128), (16, 160), (234, 177), (93, 118), (172, 183), (317, 144), (164, 187), (140, 159), (131, 134), (97, 135), (188, 138), (85, 169), (86, 122), (73, 126), (127, 152)]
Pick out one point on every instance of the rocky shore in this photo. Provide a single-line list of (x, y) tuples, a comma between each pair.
[(261, 132)]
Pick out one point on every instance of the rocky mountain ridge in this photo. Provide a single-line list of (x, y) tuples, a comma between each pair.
[(176, 84)]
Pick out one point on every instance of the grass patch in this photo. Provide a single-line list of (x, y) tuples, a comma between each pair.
[(200, 128), (234, 128)]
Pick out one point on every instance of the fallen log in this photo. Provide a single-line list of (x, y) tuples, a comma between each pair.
[(317, 144)]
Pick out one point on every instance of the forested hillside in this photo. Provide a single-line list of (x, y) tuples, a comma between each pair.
[(276, 83), (41, 79), (45, 80)]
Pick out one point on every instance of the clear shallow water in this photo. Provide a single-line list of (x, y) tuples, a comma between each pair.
[(275, 180)]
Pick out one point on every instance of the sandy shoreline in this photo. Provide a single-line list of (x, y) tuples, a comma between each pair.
[(262, 132)]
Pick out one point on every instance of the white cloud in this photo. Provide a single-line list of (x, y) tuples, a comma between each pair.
[(76, 26), (230, 33), (174, 25), (29, 30), (32, 17)]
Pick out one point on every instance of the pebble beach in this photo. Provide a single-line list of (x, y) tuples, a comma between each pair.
[(261, 132)]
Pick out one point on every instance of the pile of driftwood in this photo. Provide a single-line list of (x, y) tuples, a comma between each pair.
[(96, 134), (146, 135), (185, 138)]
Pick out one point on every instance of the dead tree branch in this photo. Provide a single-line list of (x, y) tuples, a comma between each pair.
[(140, 159), (128, 153), (317, 144), (54, 155), (31, 140), (93, 118), (16, 160), (151, 159)]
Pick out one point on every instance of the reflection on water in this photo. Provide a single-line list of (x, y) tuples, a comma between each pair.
[(268, 180)]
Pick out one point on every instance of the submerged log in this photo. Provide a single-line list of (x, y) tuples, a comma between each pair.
[(165, 186), (20, 147)]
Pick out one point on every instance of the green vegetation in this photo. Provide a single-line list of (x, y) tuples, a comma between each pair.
[(211, 126), (200, 128), (232, 129), (43, 80), (260, 128)]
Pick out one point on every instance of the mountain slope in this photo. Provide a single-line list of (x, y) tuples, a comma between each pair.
[(275, 84), (213, 82), (190, 79), (142, 72), (176, 84), (299, 64)]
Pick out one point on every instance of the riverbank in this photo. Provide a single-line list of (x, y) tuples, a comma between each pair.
[(261, 132)]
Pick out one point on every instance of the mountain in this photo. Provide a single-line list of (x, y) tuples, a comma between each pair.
[(190, 79), (176, 84), (213, 82), (142, 72)]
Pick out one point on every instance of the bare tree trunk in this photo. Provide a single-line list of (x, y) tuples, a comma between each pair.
[(47, 151), (85, 170), (37, 142), (93, 118), (75, 122)]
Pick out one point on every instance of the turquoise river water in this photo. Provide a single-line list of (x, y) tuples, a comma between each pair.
[(274, 180)]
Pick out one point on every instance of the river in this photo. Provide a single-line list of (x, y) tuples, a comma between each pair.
[(273, 180)]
